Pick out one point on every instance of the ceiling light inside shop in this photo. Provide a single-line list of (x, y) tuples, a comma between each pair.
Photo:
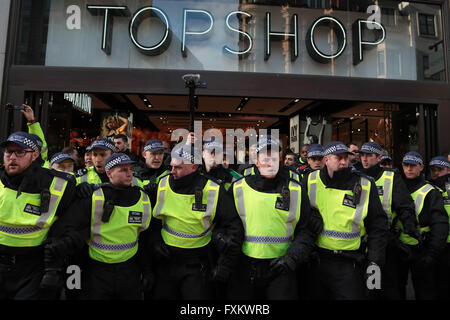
[(242, 104), (289, 105)]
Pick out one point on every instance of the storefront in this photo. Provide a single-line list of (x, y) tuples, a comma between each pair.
[(316, 70)]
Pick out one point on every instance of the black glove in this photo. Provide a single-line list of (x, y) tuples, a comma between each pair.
[(404, 251), (162, 251), (315, 222), (282, 265), (84, 190), (57, 248), (147, 281), (223, 243), (221, 273), (412, 230)]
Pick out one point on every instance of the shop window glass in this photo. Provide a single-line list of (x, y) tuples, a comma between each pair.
[(230, 42), (426, 25)]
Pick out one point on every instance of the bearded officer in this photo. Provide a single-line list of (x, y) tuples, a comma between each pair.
[(32, 198)]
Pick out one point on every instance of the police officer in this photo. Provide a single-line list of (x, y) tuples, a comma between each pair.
[(194, 212), (249, 168), (398, 205), (274, 211), (213, 156), (112, 221), (154, 165), (32, 198), (101, 150), (386, 161), (63, 162), (440, 177), (351, 210), (433, 223), (315, 158)]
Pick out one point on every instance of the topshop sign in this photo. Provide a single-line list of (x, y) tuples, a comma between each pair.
[(360, 29)]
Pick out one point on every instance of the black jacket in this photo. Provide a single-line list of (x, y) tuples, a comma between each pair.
[(226, 220), (304, 238), (402, 203), (433, 215), (441, 181), (376, 221), (76, 224), (34, 180)]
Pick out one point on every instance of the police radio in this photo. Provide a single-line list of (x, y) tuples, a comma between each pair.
[(284, 202), (357, 189), (45, 201), (198, 205)]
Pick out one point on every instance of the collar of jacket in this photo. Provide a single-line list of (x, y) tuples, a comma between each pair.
[(440, 182), (414, 184), (342, 179), (375, 171), (186, 183)]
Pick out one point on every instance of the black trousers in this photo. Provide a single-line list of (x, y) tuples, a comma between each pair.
[(119, 281), (339, 278), (390, 282), (182, 278), (253, 280), (20, 278), (443, 275), (423, 277)]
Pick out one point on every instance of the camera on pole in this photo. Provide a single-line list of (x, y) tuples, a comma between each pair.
[(192, 81)]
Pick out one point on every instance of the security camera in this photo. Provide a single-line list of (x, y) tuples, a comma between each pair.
[(191, 79)]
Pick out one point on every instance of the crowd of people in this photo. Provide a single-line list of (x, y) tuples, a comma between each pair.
[(333, 222)]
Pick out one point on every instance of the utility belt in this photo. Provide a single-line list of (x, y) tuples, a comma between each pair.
[(183, 253), (356, 255), (115, 266)]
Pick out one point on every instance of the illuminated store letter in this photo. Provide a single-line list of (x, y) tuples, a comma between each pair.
[(293, 37), (359, 43), (340, 33), (108, 12), (186, 32), (138, 17), (239, 15)]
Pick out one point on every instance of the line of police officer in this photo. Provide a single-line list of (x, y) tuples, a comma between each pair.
[(204, 241)]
